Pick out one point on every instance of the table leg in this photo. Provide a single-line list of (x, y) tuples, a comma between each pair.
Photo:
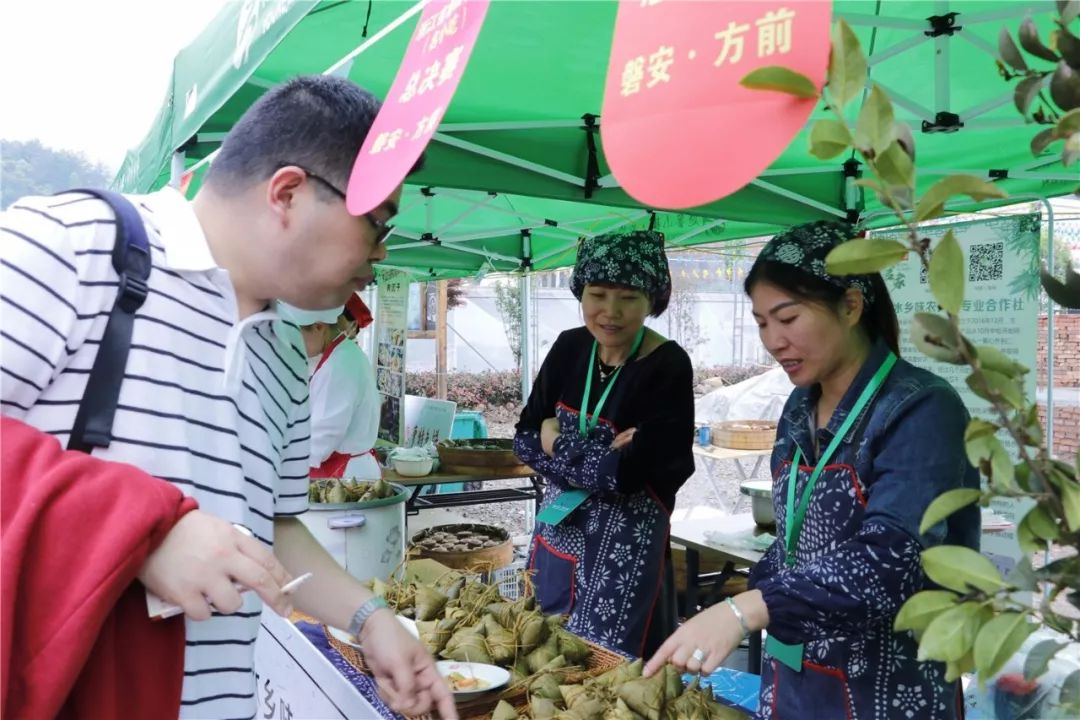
[(753, 473), (693, 572), (753, 656)]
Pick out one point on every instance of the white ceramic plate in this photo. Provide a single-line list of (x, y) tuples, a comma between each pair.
[(342, 636), (489, 677)]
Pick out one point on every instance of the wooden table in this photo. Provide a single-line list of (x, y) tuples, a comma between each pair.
[(691, 534), (530, 489), (713, 455)]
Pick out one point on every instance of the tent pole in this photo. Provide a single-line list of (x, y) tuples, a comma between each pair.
[(176, 169), (942, 63), (524, 287), (1049, 330)]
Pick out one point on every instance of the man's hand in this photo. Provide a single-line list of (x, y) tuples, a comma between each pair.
[(549, 433), (200, 560), (403, 668)]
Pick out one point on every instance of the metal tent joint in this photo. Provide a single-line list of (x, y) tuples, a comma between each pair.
[(427, 192), (429, 238), (944, 122), (998, 174), (592, 171), (942, 25)]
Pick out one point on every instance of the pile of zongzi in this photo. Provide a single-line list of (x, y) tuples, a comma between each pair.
[(342, 490), (619, 694)]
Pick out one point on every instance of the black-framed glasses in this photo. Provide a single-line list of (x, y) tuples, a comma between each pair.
[(382, 227)]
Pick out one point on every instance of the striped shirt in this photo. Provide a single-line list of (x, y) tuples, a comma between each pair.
[(215, 405)]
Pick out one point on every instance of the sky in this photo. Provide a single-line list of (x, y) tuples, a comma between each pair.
[(90, 75)]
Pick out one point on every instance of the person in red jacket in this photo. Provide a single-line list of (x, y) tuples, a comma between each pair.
[(75, 639)]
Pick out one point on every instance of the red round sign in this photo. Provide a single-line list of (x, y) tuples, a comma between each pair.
[(678, 129), (434, 62)]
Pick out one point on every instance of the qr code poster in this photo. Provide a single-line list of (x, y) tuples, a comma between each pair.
[(1001, 306)]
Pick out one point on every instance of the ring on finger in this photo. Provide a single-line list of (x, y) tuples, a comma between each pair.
[(698, 655)]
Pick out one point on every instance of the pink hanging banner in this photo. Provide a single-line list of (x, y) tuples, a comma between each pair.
[(434, 62), (678, 129)]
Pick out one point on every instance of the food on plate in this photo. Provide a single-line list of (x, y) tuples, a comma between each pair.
[(461, 683)]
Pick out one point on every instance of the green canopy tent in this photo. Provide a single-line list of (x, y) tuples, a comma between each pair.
[(516, 172), (524, 123)]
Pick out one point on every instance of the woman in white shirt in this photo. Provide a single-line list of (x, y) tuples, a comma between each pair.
[(344, 398)]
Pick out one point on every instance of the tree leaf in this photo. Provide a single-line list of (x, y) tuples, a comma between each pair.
[(1071, 151), (947, 274), (982, 448), (955, 670), (946, 504), (864, 255), (1043, 140), (1025, 93), (979, 428), (932, 204), (1002, 478), (1069, 698), (847, 65), (1026, 539), (1029, 40), (935, 337), (998, 640), (1041, 523), (1038, 659), (960, 569), (1022, 576), (1065, 87), (921, 608), (1069, 46), (875, 128), (829, 138), (990, 358), (997, 386), (1066, 294), (1009, 53), (951, 635), (780, 79), (895, 166), (1069, 123), (1070, 500), (1069, 10), (906, 139)]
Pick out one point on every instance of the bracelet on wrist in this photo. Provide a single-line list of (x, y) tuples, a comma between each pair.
[(738, 616), (366, 611)]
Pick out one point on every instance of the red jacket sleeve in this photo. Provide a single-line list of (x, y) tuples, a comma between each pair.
[(75, 639)]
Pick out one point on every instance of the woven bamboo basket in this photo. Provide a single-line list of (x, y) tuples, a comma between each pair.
[(744, 434), (480, 560), (495, 456), (600, 661)]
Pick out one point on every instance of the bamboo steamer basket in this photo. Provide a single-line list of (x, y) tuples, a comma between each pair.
[(488, 454), (744, 434), (477, 560)]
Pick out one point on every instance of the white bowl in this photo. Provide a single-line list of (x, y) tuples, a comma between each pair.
[(489, 676), (413, 468), (342, 636)]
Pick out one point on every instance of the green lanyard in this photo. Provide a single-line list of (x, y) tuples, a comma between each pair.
[(587, 423), (795, 516)]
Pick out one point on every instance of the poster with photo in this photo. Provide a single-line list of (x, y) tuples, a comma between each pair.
[(390, 334), (1001, 308)]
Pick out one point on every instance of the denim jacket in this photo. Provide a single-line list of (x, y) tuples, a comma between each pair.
[(858, 554)]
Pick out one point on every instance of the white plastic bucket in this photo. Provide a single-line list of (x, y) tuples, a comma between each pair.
[(366, 538)]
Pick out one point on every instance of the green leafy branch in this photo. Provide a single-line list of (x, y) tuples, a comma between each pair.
[(976, 621)]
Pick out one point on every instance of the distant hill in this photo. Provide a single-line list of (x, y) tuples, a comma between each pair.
[(30, 168)]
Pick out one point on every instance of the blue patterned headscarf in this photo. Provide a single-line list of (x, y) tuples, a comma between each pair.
[(806, 246), (634, 259)]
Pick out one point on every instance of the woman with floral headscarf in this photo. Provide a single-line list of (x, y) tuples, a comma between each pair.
[(865, 443), (609, 424)]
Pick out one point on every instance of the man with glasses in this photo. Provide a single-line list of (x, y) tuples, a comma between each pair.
[(214, 400)]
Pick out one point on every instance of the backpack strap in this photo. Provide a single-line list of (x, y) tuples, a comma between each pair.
[(131, 260)]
